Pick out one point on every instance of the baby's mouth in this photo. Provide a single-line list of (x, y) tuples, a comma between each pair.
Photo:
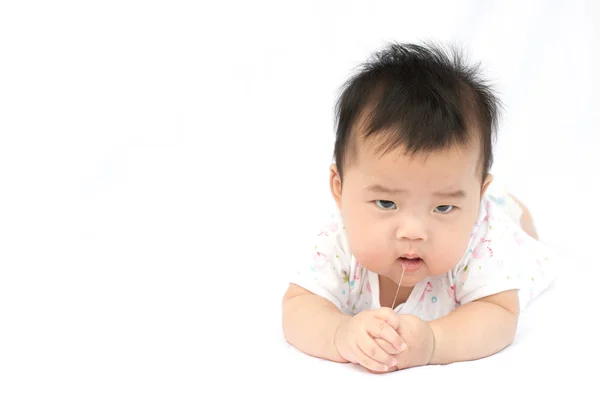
[(410, 263)]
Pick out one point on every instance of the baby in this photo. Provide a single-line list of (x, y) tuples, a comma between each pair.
[(426, 260)]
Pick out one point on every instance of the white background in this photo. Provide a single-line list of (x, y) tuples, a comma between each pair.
[(163, 165)]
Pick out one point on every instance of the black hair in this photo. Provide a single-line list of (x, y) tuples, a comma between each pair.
[(419, 96)]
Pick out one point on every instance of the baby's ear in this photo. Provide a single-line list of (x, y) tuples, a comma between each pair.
[(486, 183), (335, 185)]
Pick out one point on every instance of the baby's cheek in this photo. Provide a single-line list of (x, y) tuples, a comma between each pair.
[(369, 252), (371, 258), (447, 256)]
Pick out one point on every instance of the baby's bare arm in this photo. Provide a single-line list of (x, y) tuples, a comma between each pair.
[(310, 322), (476, 330)]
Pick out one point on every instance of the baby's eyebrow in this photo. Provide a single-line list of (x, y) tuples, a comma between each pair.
[(458, 194), (380, 188)]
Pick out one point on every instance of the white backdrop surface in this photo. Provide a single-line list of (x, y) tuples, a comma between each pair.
[(163, 165)]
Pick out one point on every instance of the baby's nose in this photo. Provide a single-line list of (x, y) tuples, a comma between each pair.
[(411, 228)]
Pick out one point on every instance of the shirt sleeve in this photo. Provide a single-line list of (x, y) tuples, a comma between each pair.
[(495, 257), (326, 270)]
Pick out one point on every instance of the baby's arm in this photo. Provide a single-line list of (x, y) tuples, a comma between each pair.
[(476, 329), (310, 322), (315, 326), (313, 316)]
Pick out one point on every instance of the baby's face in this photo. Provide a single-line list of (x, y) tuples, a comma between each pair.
[(397, 207)]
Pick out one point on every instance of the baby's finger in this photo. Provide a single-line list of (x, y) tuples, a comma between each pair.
[(380, 328), (386, 346), (367, 361), (389, 316), (372, 350)]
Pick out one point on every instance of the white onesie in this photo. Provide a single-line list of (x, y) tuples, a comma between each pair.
[(500, 256)]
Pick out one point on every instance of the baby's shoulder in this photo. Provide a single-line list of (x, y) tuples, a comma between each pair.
[(331, 237), (332, 272), (497, 236)]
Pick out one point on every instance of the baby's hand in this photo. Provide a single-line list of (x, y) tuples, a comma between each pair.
[(355, 339), (419, 339)]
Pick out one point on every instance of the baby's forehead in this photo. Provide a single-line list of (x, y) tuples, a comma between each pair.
[(383, 145), (452, 164), (389, 144)]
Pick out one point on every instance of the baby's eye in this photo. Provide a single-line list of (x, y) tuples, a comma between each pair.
[(385, 204), (444, 209)]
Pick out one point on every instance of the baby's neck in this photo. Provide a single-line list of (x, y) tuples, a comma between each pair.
[(387, 292)]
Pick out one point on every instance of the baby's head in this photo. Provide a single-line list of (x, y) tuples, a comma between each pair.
[(413, 151)]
